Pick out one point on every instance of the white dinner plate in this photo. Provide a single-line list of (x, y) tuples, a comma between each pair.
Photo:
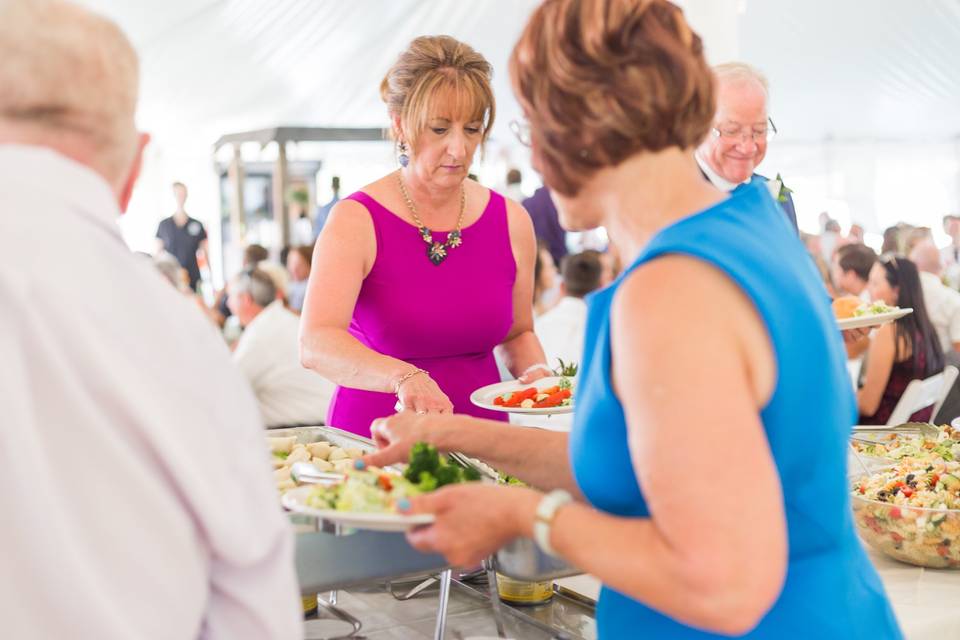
[(484, 396), (875, 320), (296, 500)]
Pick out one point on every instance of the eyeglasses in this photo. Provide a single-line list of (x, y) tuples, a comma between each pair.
[(521, 129), (742, 134)]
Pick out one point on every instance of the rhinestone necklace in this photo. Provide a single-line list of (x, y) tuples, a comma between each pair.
[(436, 251)]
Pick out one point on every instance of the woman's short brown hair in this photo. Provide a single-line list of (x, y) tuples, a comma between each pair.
[(435, 71), (601, 80)]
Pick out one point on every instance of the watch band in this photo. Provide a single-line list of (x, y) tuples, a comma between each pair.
[(546, 512)]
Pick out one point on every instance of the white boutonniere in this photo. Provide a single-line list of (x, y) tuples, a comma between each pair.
[(778, 190)]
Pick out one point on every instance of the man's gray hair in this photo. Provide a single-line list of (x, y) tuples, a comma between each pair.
[(741, 71), (258, 284), (67, 71)]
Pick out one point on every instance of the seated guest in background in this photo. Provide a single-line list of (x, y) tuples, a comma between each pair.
[(253, 255), (298, 267), (812, 243), (561, 328), (851, 270), (170, 268), (891, 239), (514, 188), (915, 236), (900, 351), (546, 283), (737, 142), (546, 225), (279, 275), (830, 240), (134, 472), (943, 303), (950, 254), (268, 354), (855, 235)]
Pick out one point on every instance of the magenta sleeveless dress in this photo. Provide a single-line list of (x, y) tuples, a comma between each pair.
[(445, 319)]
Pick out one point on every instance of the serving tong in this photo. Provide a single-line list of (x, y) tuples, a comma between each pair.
[(924, 429), (470, 463), (306, 473)]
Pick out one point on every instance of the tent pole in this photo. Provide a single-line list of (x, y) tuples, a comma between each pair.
[(236, 177), (280, 180)]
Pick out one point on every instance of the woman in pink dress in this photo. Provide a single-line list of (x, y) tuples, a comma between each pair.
[(418, 276)]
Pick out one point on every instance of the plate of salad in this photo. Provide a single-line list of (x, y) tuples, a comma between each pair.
[(546, 396), (368, 499), (873, 314)]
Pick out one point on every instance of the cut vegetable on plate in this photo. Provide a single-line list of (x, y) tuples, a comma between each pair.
[(369, 499), (546, 396)]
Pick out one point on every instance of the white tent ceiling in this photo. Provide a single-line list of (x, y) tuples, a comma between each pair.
[(840, 68), (866, 95)]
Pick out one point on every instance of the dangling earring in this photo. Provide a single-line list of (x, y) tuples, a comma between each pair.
[(403, 158)]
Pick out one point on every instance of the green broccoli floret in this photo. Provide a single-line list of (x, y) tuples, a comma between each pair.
[(423, 458), (471, 475), (426, 482), (447, 474)]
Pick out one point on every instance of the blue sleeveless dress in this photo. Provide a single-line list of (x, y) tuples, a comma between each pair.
[(831, 589)]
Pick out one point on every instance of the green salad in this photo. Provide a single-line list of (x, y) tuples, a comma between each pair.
[(945, 446), (873, 309), (911, 512), (378, 491)]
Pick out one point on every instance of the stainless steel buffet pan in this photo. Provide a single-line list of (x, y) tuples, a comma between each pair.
[(328, 558)]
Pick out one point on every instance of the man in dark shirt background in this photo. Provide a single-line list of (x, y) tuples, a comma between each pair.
[(183, 237), (546, 223)]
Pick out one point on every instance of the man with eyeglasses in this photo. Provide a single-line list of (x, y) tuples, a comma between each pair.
[(737, 143)]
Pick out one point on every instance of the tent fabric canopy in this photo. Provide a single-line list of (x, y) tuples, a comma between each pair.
[(865, 95)]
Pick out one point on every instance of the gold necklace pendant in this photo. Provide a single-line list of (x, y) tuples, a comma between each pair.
[(437, 252)]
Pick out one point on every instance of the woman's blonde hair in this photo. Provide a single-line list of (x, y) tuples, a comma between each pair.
[(602, 80), (436, 72)]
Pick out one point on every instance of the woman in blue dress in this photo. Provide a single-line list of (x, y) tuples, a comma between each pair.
[(704, 481)]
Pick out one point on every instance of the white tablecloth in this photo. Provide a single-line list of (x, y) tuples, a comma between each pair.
[(926, 601)]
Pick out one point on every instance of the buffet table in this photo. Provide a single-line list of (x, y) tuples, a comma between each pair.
[(926, 601)]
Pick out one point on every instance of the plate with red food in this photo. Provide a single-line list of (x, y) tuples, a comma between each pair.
[(546, 396)]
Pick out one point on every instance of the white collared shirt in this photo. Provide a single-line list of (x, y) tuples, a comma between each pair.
[(715, 178), (943, 307), (268, 354), (138, 499), (561, 330)]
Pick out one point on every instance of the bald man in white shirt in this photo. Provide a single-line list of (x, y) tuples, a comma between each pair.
[(942, 302), (133, 476)]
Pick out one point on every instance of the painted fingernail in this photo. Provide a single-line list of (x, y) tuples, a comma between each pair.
[(359, 465), (403, 504)]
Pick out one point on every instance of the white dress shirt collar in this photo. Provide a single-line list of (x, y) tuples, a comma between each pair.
[(715, 178), (930, 279)]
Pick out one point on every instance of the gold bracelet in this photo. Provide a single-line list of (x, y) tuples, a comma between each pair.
[(404, 378)]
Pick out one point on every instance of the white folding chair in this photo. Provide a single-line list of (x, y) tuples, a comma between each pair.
[(921, 394)]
